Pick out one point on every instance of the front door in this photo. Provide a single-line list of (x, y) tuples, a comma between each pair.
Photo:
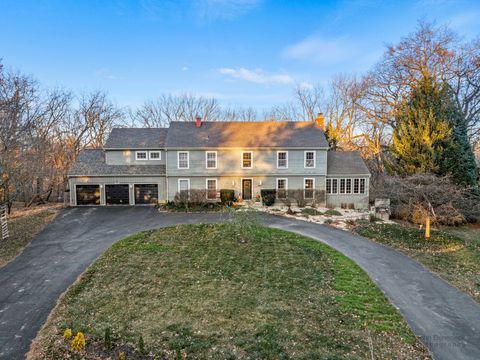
[(247, 189)]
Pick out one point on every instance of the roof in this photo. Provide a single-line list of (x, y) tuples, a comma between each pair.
[(136, 138), (91, 162), (258, 134), (346, 163)]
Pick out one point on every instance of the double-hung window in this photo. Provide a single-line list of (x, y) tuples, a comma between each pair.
[(211, 159), (211, 189), (141, 155), (183, 185), (247, 160), (282, 159), (309, 159), (282, 188), (183, 160), (309, 186)]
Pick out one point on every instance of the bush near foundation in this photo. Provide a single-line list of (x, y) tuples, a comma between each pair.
[(268, 196)]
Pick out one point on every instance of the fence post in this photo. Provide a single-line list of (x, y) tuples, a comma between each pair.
[(4, 221)]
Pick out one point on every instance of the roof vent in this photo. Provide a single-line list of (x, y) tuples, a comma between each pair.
[(198, 121)]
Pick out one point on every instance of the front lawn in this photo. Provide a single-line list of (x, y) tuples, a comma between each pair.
[(452, 253), (211, 291), (23, 226)]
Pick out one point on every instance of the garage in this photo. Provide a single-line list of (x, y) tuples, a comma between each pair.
[(117, 194), (88, 194), (146, 194)]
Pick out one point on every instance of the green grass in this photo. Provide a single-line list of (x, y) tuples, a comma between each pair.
[(22, 230), (452, 253), (215, 293)]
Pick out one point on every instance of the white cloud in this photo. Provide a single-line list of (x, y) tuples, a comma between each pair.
[(257, 76), (323, 51), (185, 68)]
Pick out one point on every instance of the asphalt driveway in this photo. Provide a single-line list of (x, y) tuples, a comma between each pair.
[(447, 320)]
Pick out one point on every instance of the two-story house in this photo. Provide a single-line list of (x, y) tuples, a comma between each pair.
[(143, 166)]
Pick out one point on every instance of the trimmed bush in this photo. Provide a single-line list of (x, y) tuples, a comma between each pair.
[(227, 196), (268, 196)]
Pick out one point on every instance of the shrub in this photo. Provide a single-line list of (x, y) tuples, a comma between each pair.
[(268, 196), (122, 356), (319, 198), (198, 197), (331, 212), (67, 335), (108, 338), (227, 196), (141, 345), (78, 342), (299, 197)]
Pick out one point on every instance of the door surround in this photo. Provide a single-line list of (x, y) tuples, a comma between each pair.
[(251, 188)]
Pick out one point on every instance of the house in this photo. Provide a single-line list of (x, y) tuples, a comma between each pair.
[(150, 165)]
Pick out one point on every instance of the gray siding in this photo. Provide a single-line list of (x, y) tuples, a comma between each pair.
[(360, 201), (235, 183), (106, 180), (127, 157), (229, 163)]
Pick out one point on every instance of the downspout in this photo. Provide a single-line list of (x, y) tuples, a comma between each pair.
[(166, 174)]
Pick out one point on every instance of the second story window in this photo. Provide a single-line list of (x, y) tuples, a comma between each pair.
[(140, 155), (183, 161), (247, 160), (282, 159), (309, 159), (211, 158)]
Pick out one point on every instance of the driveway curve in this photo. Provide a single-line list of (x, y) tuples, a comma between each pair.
[(447, 320)]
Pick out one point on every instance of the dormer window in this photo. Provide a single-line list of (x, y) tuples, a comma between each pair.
[(141, 155), (154, 155), (247, 160)]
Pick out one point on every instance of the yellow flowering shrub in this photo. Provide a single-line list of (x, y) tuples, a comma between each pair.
[(78, 342), (67, 334)]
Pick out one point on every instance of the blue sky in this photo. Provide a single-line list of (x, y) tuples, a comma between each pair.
[(243, 52)]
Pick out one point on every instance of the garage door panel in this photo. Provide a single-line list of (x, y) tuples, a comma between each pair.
[(117, 194), (88, 194), (146, 193)]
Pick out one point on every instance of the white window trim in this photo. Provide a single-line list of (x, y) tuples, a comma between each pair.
[(305, 188), (286, 159), (216, 187), (286, 183), (305, 159), (206, 159), (188, 160), (142, 152), (188, 180), (251, 160), (155, 152)]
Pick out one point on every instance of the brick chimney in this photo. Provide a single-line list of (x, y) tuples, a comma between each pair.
[(198, 121), (320, 120)]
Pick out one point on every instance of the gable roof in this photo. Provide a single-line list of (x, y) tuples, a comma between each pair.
[(346, 163), (258, 134), (91, 162), (136, 138)]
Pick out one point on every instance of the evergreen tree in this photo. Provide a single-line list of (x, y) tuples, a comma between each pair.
[(459, 160), (422, 133)]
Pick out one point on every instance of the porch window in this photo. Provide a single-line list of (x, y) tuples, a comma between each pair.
[(211, 189), (356, 186), (140, 155), (362, 186), (309, 186)]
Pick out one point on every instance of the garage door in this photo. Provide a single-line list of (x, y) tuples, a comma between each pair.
[(146, 193), (88, 194), (117, 194)]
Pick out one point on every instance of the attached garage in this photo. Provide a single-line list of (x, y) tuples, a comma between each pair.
[(117, 194), (88, 194), (146, 194)]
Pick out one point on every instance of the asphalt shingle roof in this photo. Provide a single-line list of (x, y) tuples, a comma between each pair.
[(260, 134), (346, 163), (91, 162), (136, 138)]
